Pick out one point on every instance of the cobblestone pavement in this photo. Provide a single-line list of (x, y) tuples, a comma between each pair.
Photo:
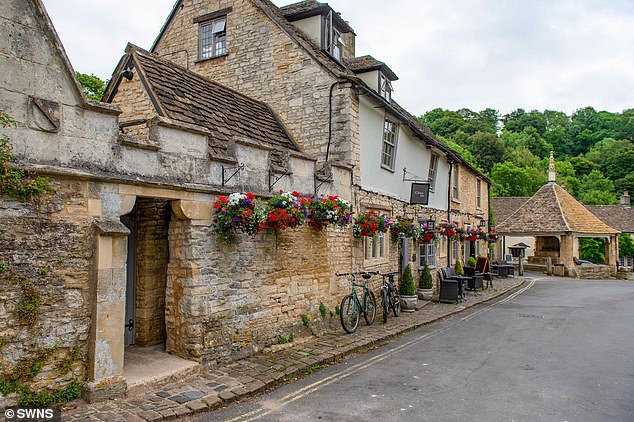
[(240, 379)]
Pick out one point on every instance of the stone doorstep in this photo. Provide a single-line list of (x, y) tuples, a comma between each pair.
[(239, 393)]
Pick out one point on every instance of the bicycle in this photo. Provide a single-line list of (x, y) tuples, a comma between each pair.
[(350, 310), (389, 296)]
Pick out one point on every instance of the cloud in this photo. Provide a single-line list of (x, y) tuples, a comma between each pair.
[(559, 55)]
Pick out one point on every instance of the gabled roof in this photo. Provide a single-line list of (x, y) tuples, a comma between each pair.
[(368, 63), (335, 68), (187, 97), (504, 207), (308, 8), (620, 217), (552, 210), (58, 48)]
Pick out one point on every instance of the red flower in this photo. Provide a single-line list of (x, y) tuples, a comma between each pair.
[(217, 204), (223, 199), (296, 194), (250, 196)]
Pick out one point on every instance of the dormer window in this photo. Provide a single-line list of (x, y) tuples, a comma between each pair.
[(212, 37), (333, 40), (385, 87)]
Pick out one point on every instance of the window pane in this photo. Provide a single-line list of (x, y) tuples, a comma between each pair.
[(381, 245), (374, 247), (219, 26)]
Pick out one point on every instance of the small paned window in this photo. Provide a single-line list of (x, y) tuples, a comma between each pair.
[(455, 186), (385, 87), (213, 38), (388, 153), (433, 170), (375, 247), (454, 252), (333, 40), (427, 254), (478, 194)]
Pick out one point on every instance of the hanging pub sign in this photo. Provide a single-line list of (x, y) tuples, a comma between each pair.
[(420, 194)]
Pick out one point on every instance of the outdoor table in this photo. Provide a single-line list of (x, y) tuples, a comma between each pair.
[(461, 282), (502, 269)]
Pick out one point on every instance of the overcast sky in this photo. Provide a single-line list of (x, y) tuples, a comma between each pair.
[(533, 54)]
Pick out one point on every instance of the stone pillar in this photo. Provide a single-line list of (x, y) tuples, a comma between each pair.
[(108, 282)]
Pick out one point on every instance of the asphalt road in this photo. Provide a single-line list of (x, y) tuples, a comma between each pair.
[(562, 350)]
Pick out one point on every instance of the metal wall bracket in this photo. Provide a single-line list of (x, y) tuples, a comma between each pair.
[(225, 179), (412, 177), (273, 178)]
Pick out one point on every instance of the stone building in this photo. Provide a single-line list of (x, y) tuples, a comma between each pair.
[(557, 221), (236, 96), (301, 60)]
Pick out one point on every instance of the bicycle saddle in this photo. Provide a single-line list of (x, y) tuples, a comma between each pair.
[(366, 276)]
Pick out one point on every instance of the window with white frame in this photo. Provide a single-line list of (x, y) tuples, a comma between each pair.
[(454, 252), (213, 38), (433, 171), (385, 87), (376, 248), (427, 254), (388, 153), (333, 40), (455, 185), (478, 194)]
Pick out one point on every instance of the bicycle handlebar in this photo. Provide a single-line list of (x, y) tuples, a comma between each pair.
[(357, 273), (389, 274)]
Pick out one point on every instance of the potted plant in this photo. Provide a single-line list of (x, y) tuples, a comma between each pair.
[(425, 284), (407, 291), (458, 268), (471, 262)]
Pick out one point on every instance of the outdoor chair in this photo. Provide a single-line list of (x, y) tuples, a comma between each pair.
[(448, 288), (475, 279)]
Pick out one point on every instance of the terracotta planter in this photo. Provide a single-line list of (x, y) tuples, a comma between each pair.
[(425, 294), (408, 303)]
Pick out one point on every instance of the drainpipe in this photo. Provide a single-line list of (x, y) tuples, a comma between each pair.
[(449, 209)]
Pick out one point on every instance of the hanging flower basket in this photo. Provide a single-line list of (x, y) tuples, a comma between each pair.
[(370, 223), (403, 228), (449, 230), (324, 211), (471, 234), (238, 212), (493, 236), (286, 210), (482, 234), (461, 234), (428, 236)]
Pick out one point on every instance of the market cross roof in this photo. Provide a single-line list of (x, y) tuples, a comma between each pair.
[(504, 206), (552, 210), (187, 97)]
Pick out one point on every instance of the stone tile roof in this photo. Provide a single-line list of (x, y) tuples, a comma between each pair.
[(307, 8), (553, 210), (620, 217), (368, 63), (504, 207), (187, 97)]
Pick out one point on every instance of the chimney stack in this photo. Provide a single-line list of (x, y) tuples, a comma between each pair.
[(625, 199)]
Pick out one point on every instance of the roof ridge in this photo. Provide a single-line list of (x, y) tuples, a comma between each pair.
[(563, 215)]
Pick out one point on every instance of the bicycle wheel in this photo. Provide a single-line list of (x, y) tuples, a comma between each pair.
[(369, 310), (349, 314), (396, 303), (384, 304)]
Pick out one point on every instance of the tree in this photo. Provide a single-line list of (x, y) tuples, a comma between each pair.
[(519, 120), (486, 149), (596, 189), (583, 166), (592, 249), (625, 184), (626, 245), (510, 180), (522, 157), (92, 85)]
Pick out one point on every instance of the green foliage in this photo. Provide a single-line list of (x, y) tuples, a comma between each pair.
[(425, 281), (284, 340), (407, 287), (626, 245), (487, 150), (583, 166), (511, 180), (46, 398), (27, 309), (471, 262), (625, 184), (594, 189), (93, 86), (592, 249), (322, 310), (458, 268), (305, 320), (3, 267), (17, 182)]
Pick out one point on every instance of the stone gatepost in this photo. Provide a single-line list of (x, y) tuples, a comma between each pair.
[(108, 284)]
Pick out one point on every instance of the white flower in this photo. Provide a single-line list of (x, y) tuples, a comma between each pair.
[(235, 198)]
